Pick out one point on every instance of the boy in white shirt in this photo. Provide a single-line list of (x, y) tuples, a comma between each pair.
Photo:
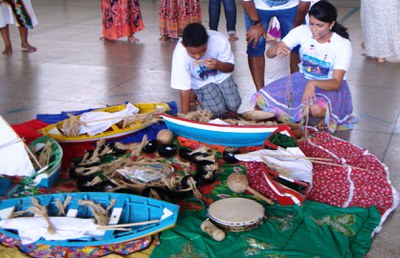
[(203, 62)]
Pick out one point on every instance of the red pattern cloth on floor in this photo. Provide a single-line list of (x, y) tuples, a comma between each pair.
[(364, 183)]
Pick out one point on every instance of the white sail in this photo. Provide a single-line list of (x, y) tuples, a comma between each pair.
[(14, 158)]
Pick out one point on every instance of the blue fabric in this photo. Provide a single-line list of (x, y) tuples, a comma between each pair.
[(286, 18), (214, 11), (151, 131)]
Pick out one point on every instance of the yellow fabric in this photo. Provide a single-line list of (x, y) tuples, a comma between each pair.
[(142, 254), (7, 252)]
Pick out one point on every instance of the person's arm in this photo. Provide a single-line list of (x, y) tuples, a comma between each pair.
[(328, 85), (185, 101), (224, 67), (278, 49), (302, 10), (256, 31)]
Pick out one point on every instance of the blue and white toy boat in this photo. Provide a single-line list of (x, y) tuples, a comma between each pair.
[(73, 219), (225, 135)]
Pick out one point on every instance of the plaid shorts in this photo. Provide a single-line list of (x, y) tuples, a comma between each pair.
[(219, 98)]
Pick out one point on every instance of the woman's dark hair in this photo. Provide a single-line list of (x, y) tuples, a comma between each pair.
[(326, 12), (194, 35)]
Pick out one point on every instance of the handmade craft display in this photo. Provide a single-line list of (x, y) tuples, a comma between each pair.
[(179, 172)]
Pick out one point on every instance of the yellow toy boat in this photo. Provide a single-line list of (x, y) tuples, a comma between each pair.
[(116, 120)]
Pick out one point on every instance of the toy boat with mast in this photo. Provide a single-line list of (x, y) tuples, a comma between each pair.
[(38, 165)]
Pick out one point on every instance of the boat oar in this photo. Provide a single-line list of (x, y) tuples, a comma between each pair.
[(284, 156), (128, 224)]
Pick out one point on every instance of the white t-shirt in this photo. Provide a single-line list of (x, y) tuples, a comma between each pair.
[(271, 5), (188, 73), (319, 60)]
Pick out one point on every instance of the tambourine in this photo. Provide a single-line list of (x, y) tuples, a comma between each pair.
[(236, 214)]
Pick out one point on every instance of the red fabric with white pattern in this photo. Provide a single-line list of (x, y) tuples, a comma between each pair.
[(340, 186)]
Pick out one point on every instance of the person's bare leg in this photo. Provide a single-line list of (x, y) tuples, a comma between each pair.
[(257, 67), (381, 59), (5, 34), (294, 62), (23, 32)]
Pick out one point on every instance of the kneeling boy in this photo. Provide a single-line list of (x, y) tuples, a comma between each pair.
[(203, 62)]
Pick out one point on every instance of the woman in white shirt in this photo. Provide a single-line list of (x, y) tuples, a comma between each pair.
[(319, 88)]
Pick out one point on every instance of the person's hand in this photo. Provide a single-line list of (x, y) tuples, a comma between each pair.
[(282, 50), (254, 34), (309, 96), (211, 63)]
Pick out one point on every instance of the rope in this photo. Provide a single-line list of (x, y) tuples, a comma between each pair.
[(62, 206), (42, 211), (100, 214)]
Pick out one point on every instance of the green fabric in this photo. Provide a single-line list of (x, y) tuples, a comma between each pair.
[(282, 140), (311, 230)]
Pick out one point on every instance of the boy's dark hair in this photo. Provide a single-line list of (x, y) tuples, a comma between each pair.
[(194, 35), (326, 12)]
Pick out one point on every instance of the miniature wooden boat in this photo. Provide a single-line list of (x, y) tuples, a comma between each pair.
[(38, 165), (225, 135), (56, 132), (47, 177), (129, 217)]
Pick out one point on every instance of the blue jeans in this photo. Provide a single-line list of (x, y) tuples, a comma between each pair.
[(214, 12), (286, 19)]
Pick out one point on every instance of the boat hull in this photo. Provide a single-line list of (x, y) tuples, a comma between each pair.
[(128, 208), (48, 177), (114, 131), (225, 135)]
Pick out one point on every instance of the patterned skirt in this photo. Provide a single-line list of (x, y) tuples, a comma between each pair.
[(284, 98), (174, 15), (17, 11), (121, 18)]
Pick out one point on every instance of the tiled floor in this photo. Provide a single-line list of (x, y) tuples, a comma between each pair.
[(74, 70)]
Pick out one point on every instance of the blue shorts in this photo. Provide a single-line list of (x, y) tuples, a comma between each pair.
[(286, 18)]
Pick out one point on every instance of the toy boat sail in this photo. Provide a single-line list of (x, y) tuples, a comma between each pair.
[(224, 135), (17, 159), (105, 123), (129, 217), (14, 159)]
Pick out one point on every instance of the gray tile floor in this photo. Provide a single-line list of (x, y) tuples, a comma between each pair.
[(73, 70)]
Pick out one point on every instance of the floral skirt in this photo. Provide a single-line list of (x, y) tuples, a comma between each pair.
[(121, 18), (174, 15), (284, 98)]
